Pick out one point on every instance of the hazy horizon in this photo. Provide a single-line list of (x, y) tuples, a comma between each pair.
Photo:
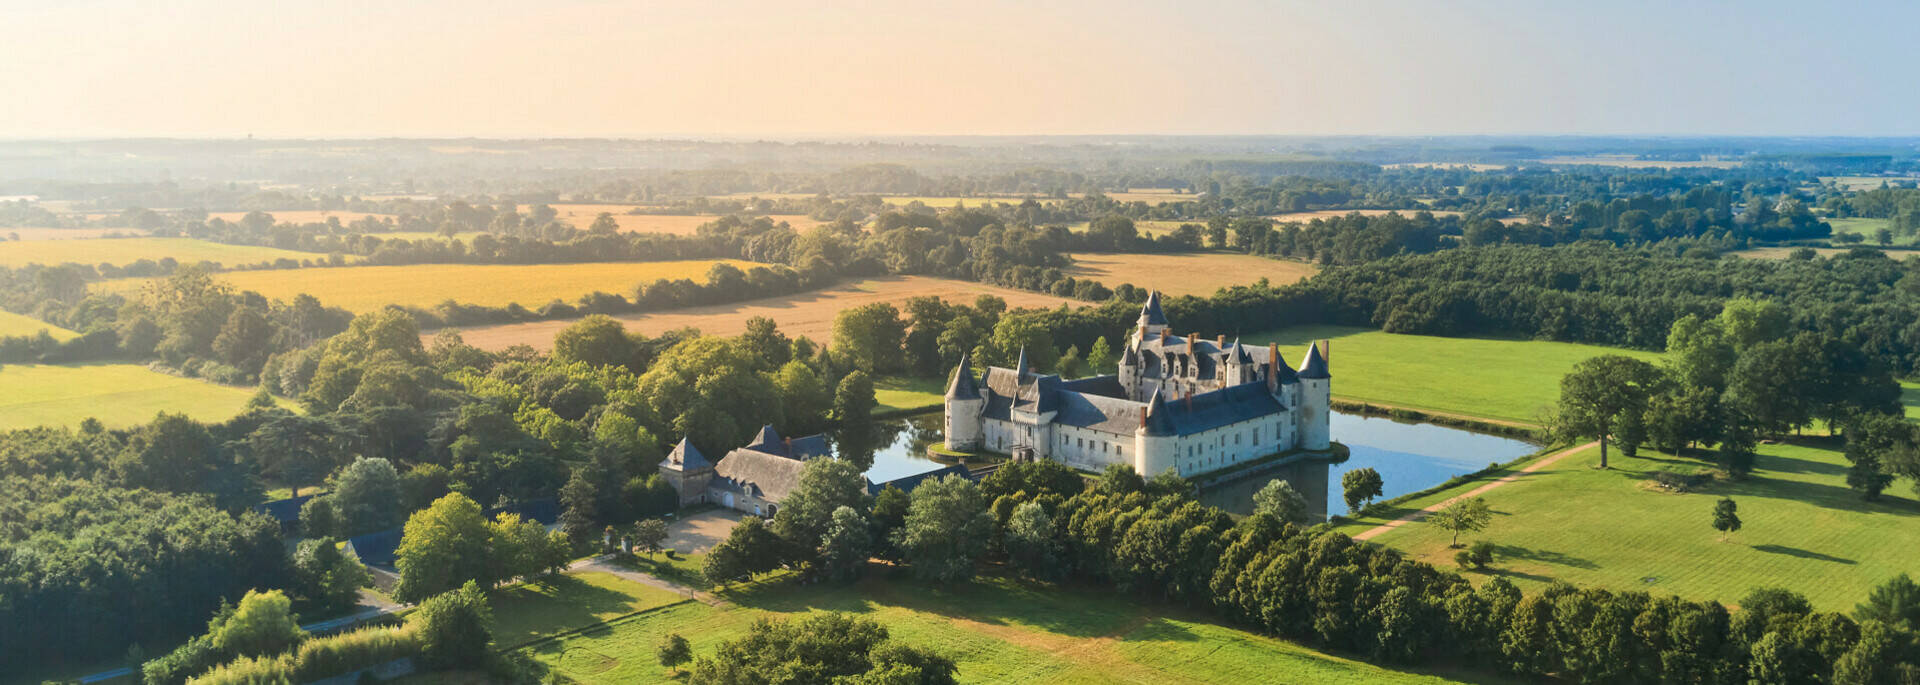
[(762, 70)]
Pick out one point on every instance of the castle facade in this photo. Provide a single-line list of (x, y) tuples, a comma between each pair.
[(1183, 403)]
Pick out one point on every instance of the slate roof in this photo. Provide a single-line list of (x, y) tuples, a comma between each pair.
[(768, 441), (1209, 410), (908, 483), (1040, 396), (962, 387), (1314, 366), (285, 511), (1106, 414), (767, 476), (764, 436), (685, 457), (1150, 311), (1158, 422), (376, 549)]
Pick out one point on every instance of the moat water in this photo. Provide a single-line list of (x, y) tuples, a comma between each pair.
[(1409, 456)]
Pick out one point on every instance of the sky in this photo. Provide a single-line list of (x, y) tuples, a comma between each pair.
[(783, 69)]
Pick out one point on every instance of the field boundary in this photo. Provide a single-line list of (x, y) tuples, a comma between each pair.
[(1422, 513)]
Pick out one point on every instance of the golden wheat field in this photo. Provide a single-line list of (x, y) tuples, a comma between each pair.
[(809, 314), (368, 288), (582, 215), (123, 251), (1199, 273)]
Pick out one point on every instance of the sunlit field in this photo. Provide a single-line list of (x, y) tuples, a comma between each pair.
[(1196, 273), (12, 324), (117, 394), (124, 251)]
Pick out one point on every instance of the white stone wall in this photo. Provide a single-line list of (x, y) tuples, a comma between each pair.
[(963, 424)]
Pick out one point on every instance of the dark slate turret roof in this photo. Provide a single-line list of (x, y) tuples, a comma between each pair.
[(765, 437), (963, 387), (1286, 372), (1314, 366), (1130, 357), (1240, 354), (1021, 367), (1150, 312), (1159, 418), (685, 458), (1040, 396)]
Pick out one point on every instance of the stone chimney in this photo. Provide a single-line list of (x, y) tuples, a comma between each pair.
[(1220, 340), (1189, 400), (1190, 337), (1273, 368)]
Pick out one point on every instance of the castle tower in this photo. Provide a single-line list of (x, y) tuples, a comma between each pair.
[(964, 408), (1316, 400), (1130, 370), (1155, 443), (1152, 322), (688, 471)]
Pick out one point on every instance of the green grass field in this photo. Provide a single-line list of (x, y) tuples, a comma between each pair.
[(1509, 380), (1866, 227), (1803, 529), (898, 393), (529, 610), (117, 394), (368, 288), (123, 251), (12, 324), (996, 630)]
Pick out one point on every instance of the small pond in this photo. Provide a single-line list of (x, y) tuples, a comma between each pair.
[(1409, 456), (897, 446)]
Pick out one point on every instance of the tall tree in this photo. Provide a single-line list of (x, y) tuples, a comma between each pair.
[(366, 496), (442, 546), (946, 529), (1278, 499), (1726, 516), (870, 336), (1470, 515), (1601, 390), (1360, 486), (853, 402)]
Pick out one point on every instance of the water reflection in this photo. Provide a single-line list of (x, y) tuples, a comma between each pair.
[(891, 449), (1409, 456)]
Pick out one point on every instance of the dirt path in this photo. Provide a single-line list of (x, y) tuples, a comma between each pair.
[(1538, 464), (605, 565)]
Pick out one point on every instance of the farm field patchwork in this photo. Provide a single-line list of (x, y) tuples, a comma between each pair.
[(1194, 273), (1507, 380), (124, 251), (368, 288), (118, 395), (1802, 528), (996, 630), (12, 324), (809, 314)]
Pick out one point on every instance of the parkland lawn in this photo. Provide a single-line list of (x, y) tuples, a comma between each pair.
[(1507, 380), (118, 394), (1803, 529), (903, 394), (12, 324), (996, 630)]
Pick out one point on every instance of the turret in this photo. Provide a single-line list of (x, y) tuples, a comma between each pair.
[(1129, 369), (1315, 400), (1152, 322), (688, 471), (1156, 441), (965, 405), (1020, 367)]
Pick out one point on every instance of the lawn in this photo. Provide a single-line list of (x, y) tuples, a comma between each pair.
[(543, 607), (368, 288), (12, 324), (996, 630), (1866, 227), (1192, 273), (124, 251), (117, 394), (1803, 529), (896, 393), (1508, 380)]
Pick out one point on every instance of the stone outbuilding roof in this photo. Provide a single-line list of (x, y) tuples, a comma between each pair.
[(769, 442), (753, 472), (685, 457)]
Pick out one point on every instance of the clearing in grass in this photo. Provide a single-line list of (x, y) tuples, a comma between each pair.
[(368, 288), (1616, 528), (124, 251), (809, 313), (12, 324), (1507, 380), (119, 395), (996, 630), (1191, 273)]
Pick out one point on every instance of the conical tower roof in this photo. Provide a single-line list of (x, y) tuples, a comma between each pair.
[(766, 437), (685, 458), (962, 387), (1021, 367), (1314, 366), (1158, 420), (1150, 312)]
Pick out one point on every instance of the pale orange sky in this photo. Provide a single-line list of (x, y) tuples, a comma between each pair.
[(591, 68)]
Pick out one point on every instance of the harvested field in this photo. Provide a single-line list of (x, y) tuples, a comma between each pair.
[(1152, 196), (123, 251), (303, 216), (43, 233), (809, 314), (368, 288), (1194, 273), (1304, 217), (1783, 252)]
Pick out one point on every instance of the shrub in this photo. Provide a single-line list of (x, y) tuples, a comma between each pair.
[(320, 658), (195, 657)]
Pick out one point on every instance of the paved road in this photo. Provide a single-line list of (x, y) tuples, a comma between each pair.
[(1541, 463)]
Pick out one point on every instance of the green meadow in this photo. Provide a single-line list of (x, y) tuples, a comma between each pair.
[(997, 631), (1507, 380), (117, 394), (12, 324), (1571, 521), (904, 394)]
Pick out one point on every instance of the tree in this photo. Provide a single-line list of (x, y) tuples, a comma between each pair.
[(1278, 499), (366, 496), (454, 627), (853, 402), (262, 624), (674, 651), (441, 547), (1726, 517), (1100, 356), (871, 337), (830, 647), (597, 340), (1032, 544), (1895, 603), (1870, 437), (804, 395), (826, 485), (946, 529), (650, 535), (845, 547), (888, 514), (298, 449), (1360, 486), (750, 548), (317, 518), (579, 497), (330, 579), (1599, 392), (1465, 516), (1749, 322)]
